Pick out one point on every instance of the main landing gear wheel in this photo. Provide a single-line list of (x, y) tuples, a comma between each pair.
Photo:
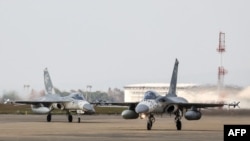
[(178, 125), (150, 122), (48, 117), (178, 119), (70, 118), (79, 119)]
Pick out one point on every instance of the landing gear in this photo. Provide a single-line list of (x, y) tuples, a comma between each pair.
[(178, 125), (79, 118), (178, 119), (150, 122), (70, 118), (49, 117)]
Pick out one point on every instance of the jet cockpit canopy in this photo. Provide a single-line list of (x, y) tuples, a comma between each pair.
[(77, 96), (150, 95)]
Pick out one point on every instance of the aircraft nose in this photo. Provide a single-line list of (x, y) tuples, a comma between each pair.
[(88, 107), (141, 108)]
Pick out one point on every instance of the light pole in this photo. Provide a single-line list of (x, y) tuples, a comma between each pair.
[(26, 90), (88, 86)]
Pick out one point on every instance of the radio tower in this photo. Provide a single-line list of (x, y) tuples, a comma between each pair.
[(221, 71)]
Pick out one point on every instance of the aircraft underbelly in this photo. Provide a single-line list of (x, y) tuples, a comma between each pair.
[(158, 110), (72, 106)]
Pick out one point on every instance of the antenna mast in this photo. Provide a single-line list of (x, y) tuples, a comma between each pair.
[(221, 70)]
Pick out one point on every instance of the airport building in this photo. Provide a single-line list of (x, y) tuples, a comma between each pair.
[(135, 92)]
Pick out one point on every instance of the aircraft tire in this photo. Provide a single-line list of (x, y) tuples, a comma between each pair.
[(149, 125), (79, 120), (48, 117), (70, 118), (178, 125)]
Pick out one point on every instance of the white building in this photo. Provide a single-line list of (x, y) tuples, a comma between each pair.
[(135, 92)]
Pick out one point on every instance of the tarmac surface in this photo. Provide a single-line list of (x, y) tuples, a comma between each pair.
[(113, 128)]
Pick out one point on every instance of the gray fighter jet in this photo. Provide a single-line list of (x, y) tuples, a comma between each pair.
[(153, 103), (75, 102)]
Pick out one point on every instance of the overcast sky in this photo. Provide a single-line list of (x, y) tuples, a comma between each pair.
[(113, 43)]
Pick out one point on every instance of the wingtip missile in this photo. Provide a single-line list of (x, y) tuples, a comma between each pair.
[(234, 104)]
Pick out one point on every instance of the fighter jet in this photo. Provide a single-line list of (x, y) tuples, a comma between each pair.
[(153, 103), (75, 102)]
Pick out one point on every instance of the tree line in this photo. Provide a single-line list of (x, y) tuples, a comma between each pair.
[(112, 95)]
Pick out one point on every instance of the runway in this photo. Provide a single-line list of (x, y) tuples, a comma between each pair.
[(113, 128)]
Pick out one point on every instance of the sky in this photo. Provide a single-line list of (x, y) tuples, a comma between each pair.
[(111, 44)]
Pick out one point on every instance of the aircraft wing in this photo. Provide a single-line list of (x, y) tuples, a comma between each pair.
[(199, 105), (115, 103), (42, 102)]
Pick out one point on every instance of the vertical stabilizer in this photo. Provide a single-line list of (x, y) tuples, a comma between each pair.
[(48, 83), (172, 88)]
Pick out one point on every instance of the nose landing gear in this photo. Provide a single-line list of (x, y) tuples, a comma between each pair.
[(151, 120)]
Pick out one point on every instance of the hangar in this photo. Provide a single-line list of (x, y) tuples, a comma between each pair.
[(135, 92)]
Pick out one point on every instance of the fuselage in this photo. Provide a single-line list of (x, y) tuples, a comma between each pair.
[(158, 104), (72, 102), (149, 106)]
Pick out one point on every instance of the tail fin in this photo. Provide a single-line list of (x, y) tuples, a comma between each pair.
[(48, 83), (172, 88)]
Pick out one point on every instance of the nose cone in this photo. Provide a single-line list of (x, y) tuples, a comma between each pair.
[(141, 108), (88, 107)]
